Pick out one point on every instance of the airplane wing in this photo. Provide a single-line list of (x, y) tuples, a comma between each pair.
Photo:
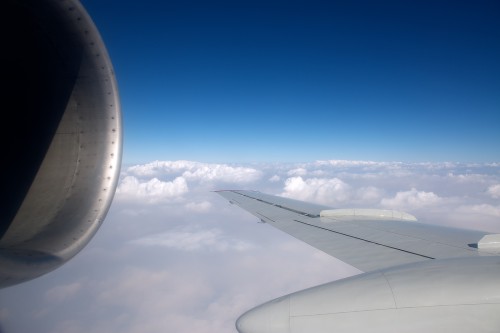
[(366, 239)]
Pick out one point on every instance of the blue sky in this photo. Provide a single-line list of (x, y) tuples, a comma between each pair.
[(288, 81)]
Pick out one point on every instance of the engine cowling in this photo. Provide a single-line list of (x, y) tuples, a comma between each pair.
[(62, 140), (452, 295)]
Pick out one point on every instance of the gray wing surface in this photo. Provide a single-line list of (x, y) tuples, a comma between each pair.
[(367, 244)]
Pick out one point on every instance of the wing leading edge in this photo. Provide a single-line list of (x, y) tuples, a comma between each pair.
[(366, 239)]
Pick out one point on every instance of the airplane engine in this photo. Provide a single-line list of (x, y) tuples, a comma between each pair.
[(61, 136), (448, 295)]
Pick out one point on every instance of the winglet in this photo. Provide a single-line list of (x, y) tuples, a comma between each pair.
[(489, 242)]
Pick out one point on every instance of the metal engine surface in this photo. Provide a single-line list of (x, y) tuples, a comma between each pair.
[(63, 152)]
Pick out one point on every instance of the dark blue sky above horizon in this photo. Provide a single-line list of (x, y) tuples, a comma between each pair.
[(253, 81)]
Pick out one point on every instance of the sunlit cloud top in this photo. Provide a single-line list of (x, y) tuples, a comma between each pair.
[(174, 256)]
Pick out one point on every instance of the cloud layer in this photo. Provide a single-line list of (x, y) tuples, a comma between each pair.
[(187, 239), (163, 181), (173, 256)]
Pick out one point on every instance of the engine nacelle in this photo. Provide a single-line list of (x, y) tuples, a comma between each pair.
[(62, 138), (452, 295)]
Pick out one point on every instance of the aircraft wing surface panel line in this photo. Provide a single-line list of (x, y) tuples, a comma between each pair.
[(365, 240), (365, 244)]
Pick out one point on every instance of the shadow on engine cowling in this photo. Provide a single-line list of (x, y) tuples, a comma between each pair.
[(62, 139)]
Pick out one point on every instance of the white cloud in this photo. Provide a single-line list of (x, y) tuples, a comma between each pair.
[(370, 194), (153, 190), (199, 207), (297, 172), (320, 190), (348, 163), (159, 168), (223, 173), (196, 171), (412, 199), (196, 263), (154, 300), (482, 209), (275, 179), (186, 239), (64, 292), (494, 191)]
